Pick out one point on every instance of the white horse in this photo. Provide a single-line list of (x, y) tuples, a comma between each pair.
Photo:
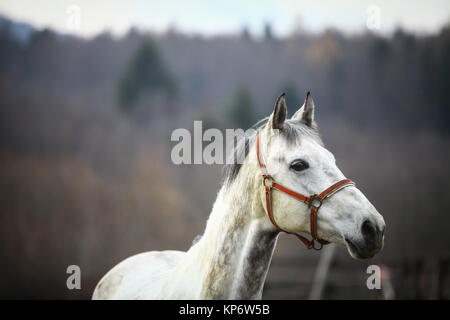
[(232, 257)]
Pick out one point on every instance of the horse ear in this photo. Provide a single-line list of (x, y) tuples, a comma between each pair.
[(279, 113), (306, 112)]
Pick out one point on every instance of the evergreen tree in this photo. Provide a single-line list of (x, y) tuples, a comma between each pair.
[(146, 73), (241, 110), (268, 34)]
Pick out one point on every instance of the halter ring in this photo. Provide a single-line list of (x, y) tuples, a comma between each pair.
[(313, 246), (315, 201), (269, 179)]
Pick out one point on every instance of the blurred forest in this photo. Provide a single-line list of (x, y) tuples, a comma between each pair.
[(85, 125)]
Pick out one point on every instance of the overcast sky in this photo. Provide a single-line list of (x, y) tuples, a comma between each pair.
[(218, 17)]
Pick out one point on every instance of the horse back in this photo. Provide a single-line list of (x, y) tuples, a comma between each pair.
[(138, 277)]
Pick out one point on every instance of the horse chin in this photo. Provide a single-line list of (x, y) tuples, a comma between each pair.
[(357, 252)]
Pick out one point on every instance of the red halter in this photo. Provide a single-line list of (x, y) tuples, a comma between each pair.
[(314, 202)]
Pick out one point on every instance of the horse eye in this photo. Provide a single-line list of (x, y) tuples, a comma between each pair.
[(299, 165)]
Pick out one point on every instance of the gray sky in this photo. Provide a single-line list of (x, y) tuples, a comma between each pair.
[(218, 17)]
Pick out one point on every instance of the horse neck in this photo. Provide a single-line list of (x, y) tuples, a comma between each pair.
[(238, 242)]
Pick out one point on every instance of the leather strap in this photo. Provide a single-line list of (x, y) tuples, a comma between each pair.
[(314, 202)]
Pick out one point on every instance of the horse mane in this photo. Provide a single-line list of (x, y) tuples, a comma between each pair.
[(292, 131)]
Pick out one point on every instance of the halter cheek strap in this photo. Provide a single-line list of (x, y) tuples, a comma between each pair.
[(314, 202)]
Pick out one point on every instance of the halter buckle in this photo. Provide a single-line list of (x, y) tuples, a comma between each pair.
[(315, 201)]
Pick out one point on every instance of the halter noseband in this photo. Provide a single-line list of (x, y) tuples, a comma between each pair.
[(314, 202)]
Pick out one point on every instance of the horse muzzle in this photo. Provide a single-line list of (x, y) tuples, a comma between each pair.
[(370, 243)]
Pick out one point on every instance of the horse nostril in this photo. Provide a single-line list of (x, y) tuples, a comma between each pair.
[(369, 231)]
